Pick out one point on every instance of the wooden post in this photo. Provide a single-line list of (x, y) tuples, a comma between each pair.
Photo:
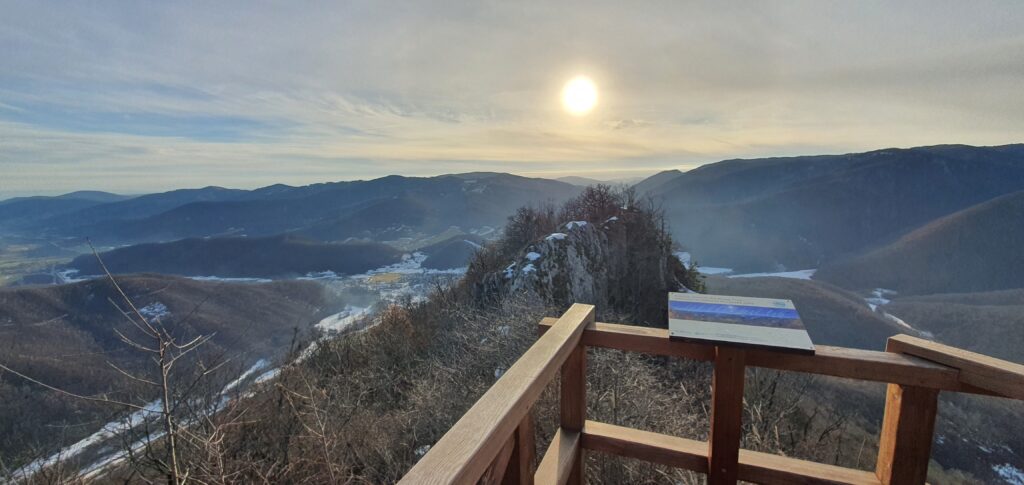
[(905, 445), (574, 403), (520, 467), (726, 416)]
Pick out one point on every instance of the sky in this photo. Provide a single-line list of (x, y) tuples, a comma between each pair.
[(140, 96)]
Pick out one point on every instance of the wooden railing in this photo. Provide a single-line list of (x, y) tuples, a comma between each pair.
[(494, 440)]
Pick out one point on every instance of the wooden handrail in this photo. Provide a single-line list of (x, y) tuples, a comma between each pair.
[(865, 365), (466, 451), (994, 375), (494, 440)]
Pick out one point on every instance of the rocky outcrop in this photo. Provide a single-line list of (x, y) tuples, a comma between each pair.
[(614, 264)]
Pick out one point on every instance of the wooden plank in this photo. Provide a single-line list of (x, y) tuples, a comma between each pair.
[(859, 364), (868, 365), (999, 376), (646, 446), (495, 473), (520, 469), (559, 460), (726, 416), (573, 403), (639, 339), (905, 445), (693, 455), (770, 469), (469, 447)]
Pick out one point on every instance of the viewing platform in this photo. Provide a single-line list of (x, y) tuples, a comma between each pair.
[(494, 441)]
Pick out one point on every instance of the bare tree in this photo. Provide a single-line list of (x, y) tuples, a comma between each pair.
[(177, 375)]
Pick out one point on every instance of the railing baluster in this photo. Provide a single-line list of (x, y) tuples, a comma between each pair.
[(465, 452), (906, 439), (495, 473), (574, 402), (494, 440), (520, 467), (905, 444), (726, 416)]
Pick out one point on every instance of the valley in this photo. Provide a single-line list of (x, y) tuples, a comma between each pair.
[(283, 277)]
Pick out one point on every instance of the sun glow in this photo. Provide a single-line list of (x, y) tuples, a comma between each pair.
[(579, 96)]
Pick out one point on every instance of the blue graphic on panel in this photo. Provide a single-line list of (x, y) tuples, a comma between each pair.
[(735, 314)]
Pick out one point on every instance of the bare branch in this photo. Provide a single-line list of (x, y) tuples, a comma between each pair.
[(68, 393)]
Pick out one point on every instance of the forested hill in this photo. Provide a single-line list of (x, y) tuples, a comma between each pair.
[(70, 337), (976, 249), (242, 257), (801, 212)]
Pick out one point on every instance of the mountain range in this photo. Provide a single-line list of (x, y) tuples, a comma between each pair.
[(388, 207), (938, 228), (801, 212), (975, 249)]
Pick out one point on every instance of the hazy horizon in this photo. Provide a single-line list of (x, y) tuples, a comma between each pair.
[(135, 98), (610, 180)]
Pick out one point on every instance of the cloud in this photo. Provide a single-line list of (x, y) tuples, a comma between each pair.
[(243, 94)]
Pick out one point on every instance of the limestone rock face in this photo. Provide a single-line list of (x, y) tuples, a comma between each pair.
[(601, 263)]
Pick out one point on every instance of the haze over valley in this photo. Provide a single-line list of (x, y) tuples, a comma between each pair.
[(350, 249), (282, 243)]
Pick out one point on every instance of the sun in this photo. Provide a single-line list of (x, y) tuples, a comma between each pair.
[(579, 96)]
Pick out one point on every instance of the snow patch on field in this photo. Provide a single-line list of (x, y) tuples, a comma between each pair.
[(529, 268), (258, 366), (559, 236), (119, 456), (483, 231), (878, 298), (532, 256), (155, 311), (411, 264), (108, 431), (266, 376), (803, 274), (230, 280), (902, 323), (343, 319), (71, 276), (712, 270), (574, 224), (685, 258), (1009, 473), (472, 244), (320, 275)]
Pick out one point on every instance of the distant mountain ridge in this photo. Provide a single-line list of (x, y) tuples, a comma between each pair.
[(331, 211), (581, 181), (801, 212), (91, 195), (23, 210), (976, 249)]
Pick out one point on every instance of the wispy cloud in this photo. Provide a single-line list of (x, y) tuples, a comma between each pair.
[(140, 96)]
